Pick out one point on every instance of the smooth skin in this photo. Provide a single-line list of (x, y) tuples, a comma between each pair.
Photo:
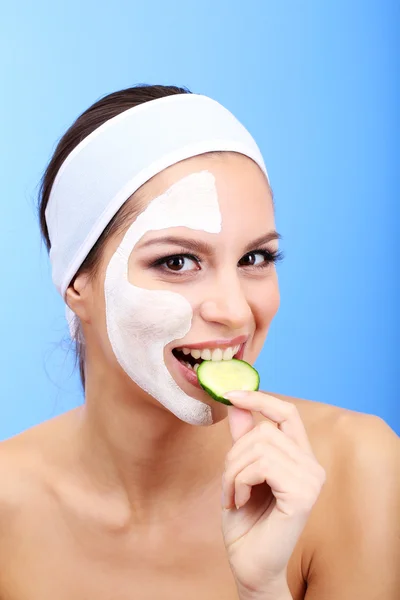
[(118, 499)]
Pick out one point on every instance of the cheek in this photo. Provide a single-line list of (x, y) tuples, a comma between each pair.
[(266, 304)]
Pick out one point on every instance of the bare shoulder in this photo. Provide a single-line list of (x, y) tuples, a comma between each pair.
[(358, 450), (26, 462), (348, 434), (352, 538), (19, 470)]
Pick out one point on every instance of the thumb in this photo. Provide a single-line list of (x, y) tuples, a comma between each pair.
[(240, 422)]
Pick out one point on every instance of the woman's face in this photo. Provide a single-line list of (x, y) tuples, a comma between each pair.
[(195, 280)]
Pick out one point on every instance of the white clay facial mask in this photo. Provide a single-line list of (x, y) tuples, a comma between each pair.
[(141, 322)]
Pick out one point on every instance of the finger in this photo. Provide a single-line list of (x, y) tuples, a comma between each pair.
[(295, 489), (276, 473), (285, 414), (270, 455), (258, 441), (240, 422)]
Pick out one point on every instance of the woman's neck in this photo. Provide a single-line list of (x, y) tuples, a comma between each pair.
[(134, 445)]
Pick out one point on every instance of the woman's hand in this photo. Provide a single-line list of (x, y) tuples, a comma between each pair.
[(270, 484)]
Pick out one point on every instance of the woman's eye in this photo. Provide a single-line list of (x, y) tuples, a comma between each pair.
[(189, 263), (253, 259), (180, 263)]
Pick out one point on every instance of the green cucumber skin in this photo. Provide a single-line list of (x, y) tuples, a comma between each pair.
[(217, 398), (225, 400)]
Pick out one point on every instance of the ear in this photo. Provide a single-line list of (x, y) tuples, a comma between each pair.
[(78, 297)]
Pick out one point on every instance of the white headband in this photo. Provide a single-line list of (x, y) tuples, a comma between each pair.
[(109, 165)]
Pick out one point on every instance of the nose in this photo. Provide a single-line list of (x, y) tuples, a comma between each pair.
[(227, 304)]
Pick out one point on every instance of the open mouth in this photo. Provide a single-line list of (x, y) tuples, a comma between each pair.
[(192, 358)]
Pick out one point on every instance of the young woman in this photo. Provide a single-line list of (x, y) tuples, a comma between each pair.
[(159, 217)]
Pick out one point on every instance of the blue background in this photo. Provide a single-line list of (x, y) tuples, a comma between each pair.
[(317, 85)]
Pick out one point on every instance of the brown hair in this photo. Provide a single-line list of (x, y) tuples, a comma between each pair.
[(101, 111)]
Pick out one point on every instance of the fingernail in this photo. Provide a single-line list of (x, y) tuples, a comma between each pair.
[(238, 395)]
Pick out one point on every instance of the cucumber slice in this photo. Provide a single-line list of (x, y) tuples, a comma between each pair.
[(219, 377)]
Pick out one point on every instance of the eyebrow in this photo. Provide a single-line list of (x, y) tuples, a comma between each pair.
[(204, 248)]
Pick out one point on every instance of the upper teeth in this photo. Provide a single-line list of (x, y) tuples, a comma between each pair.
[(213, 354)]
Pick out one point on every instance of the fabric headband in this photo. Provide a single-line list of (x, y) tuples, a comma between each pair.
[(114, 161)]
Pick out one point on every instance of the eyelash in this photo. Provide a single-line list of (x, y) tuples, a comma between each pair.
[(270, 256)]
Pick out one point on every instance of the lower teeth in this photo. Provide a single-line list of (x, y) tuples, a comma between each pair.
[(189, 366)]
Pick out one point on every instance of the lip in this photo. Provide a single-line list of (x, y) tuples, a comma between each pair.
[(188, 374), (191, 376), (237, 341)]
